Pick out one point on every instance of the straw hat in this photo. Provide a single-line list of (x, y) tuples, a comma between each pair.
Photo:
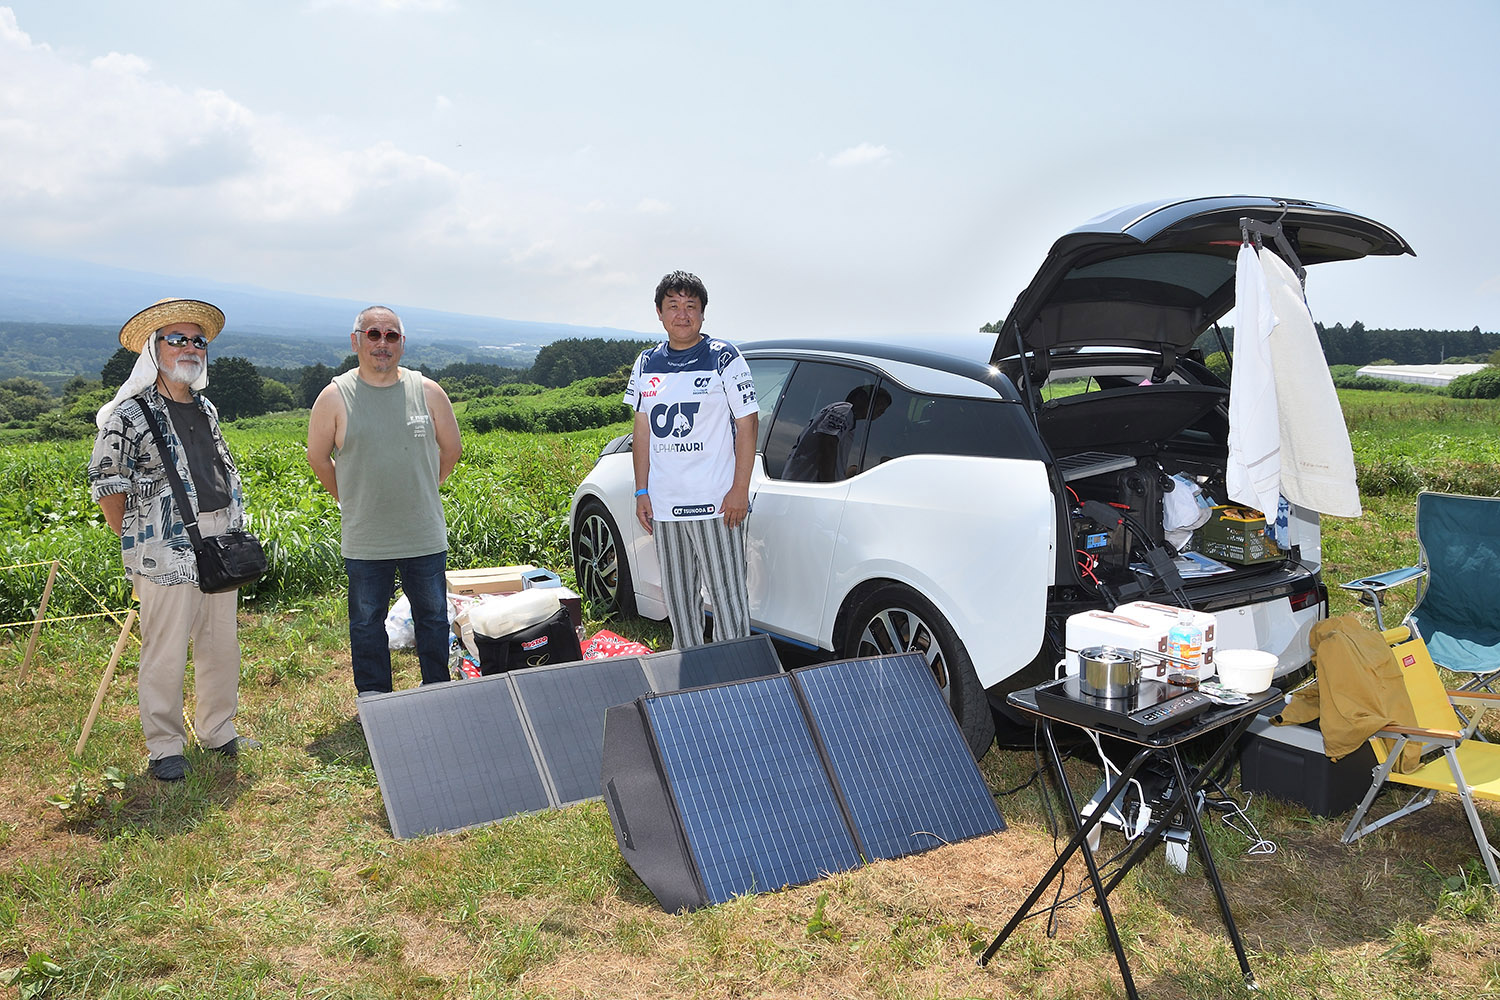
[(165, 312)]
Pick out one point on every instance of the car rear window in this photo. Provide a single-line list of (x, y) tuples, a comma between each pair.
[(918, 424)]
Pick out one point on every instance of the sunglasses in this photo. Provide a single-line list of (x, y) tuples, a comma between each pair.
[(375, 336), (181, 340)]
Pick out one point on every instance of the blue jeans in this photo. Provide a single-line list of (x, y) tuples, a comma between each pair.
[(372, 584)]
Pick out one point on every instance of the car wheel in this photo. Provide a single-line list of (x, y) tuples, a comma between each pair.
[(599, 562), (896, 619)]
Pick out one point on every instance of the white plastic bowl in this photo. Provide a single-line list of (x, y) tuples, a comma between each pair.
[(1246, 670)]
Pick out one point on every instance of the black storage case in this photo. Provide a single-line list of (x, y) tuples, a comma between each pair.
[(1288, 763), (545, 643)]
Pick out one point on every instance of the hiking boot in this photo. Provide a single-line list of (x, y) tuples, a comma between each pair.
[(173, 768), (234, 746)]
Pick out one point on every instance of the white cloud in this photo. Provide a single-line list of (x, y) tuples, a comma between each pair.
[(652, 206), (859, 156), (106, 156), (125, 65), (383, 6), (10, 31), (442, 104)]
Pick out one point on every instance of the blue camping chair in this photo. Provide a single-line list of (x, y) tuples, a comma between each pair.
[(1458, 599)]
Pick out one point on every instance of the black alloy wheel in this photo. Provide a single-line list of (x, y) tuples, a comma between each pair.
[(599, 562)]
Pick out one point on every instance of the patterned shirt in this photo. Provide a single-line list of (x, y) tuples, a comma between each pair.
[(153, 540), (691, 399)]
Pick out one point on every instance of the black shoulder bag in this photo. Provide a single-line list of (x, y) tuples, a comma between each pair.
[(225, 562)]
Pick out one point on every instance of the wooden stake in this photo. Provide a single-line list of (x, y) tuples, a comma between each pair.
[(109, 673), (36, 629)]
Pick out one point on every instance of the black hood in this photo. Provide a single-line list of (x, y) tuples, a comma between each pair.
[(1156, 276)]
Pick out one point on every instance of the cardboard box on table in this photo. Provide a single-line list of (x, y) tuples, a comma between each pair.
[(487, 580), (1139, 625)]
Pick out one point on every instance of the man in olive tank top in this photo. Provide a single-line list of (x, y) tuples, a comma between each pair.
[(381, 439)]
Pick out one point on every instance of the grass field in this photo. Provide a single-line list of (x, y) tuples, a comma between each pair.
[(278, 877)]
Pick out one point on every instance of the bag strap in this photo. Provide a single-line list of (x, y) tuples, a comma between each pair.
[(179, 491)]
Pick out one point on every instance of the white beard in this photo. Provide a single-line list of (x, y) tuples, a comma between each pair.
[(186, 370)]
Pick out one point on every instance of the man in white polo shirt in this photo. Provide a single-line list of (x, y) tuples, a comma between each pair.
[(695, 424)]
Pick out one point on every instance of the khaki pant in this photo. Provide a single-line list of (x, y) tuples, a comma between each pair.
[(170, 617)]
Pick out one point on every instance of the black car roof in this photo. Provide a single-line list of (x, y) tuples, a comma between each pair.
[(1156, 275), (855, 350)]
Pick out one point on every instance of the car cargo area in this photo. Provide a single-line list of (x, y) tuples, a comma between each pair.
[(1118, 448)]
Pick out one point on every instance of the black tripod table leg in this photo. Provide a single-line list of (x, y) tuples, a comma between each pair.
[(1212, 871), (1079, 842)]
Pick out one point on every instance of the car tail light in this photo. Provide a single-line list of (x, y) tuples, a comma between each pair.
[(1308, 598)]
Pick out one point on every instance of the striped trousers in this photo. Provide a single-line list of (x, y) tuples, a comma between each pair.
[(698, 554)]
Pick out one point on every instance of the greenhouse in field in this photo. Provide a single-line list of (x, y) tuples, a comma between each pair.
[(1419, 374)]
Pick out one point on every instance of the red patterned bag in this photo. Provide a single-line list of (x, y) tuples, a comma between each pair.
[(606, 643)]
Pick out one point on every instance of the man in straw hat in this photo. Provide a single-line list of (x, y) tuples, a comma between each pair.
[(381, 439), (128, 482)]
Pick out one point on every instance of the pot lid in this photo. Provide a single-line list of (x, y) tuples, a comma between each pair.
[(1109, 654)]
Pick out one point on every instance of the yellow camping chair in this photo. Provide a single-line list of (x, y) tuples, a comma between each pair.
[(1451, 760)]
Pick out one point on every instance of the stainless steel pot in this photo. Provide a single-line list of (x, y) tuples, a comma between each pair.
[(1109, 672)]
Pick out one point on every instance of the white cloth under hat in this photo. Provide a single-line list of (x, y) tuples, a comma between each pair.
[(141, 378)]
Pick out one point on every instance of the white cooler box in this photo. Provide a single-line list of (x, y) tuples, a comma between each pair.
[(1138, 625)]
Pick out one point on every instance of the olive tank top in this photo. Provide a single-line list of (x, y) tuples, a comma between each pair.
[(387, 470)]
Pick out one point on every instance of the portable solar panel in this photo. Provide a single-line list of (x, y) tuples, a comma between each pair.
[(744, 787), (716, 663), (903, 767), (449, 756), (642, 813), (720, 791), (564, 708), (757, 808)]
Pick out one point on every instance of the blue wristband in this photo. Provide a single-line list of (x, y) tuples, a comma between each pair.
[(641, 493)]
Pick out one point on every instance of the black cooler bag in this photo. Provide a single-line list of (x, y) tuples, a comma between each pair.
[(551, 641)]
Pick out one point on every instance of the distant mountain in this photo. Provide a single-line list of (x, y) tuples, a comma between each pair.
[(61, 318)]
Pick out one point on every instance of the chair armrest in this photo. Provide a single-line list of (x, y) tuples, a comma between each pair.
[(1478, 699), (1380, 582), (1444, 737), (1477, 703)]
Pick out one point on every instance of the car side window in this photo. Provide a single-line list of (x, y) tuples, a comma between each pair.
[(770, 376), (818, 432), (917, 424)]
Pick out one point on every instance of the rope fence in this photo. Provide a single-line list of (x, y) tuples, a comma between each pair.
[(41, 618)]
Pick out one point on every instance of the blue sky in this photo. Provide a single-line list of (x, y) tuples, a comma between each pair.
[(857, 168)]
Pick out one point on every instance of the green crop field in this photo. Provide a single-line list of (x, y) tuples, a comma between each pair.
[(278, 877)]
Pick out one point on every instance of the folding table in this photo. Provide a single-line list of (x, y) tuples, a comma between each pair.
[(1225, 723)]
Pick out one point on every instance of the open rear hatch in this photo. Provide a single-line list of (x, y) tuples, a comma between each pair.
[(1156, 276), (1119, 302)]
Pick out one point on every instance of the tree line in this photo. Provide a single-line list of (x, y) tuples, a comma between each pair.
[(1355, 345), (28, 408)]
